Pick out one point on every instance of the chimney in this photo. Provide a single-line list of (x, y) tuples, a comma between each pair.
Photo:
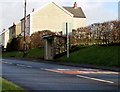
[(33, 10), (13, 23), (75, 5)]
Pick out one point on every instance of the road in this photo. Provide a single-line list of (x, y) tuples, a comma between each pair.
[(33, 75)]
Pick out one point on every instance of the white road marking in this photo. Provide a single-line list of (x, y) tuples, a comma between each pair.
[(17, 64), (101, 80), (7, 62), (20, 65), (53, 70), (29, 66), (42, 68), (65, 69), (10, 63), (90, 69), (4, 62), (100, 72)]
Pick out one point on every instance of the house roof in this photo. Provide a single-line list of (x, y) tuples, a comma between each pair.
[(74, 12), (66, 11), (77, 12), (52, 36), (3, 31), (26, 16)]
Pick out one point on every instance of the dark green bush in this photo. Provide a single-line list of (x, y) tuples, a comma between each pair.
[(12, 44)]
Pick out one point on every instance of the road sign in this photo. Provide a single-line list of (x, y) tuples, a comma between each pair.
[(70, 26)]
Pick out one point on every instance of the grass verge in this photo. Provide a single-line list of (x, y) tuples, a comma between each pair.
[(95, 55), (33, 53), (8, 86)]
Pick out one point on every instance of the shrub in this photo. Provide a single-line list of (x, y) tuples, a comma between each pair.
[(98, 33), (12, 44), (33, 41), (37, 40)]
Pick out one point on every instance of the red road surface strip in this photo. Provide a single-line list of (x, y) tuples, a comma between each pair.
[(72, 71)]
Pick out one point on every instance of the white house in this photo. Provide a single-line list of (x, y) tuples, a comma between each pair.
[(7, 34), (15, 29), (53, 17), (4, 37)]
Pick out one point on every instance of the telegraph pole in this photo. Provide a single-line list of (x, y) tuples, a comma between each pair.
[(67, 35), (24, 42)]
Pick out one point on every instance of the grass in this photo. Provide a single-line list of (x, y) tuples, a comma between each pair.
[(8, 86), (96, 55), (12, 54), (33, 53)]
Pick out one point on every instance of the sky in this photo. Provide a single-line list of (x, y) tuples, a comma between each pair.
[(96, 11)]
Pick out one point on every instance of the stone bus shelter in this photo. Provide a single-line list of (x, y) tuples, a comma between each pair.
[(53, 45)]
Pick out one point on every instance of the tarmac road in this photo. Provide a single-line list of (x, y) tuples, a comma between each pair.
[(44, 76)]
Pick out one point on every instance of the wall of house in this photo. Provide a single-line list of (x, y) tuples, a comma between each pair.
[(50, 17), (0, 39), (27, 25), (12, 31), (79, 22), (5, 38), (18, 28), (22, 26)]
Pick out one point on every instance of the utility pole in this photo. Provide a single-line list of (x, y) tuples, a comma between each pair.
[(67, 35), (24, 42)]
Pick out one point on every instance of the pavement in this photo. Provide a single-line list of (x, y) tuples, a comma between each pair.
[(40, 75)]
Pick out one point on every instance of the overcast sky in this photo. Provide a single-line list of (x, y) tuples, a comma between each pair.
[(95, 10)]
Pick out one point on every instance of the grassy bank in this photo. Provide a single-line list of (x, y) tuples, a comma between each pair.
[(8, 86), (33, 53), (96, 55)]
